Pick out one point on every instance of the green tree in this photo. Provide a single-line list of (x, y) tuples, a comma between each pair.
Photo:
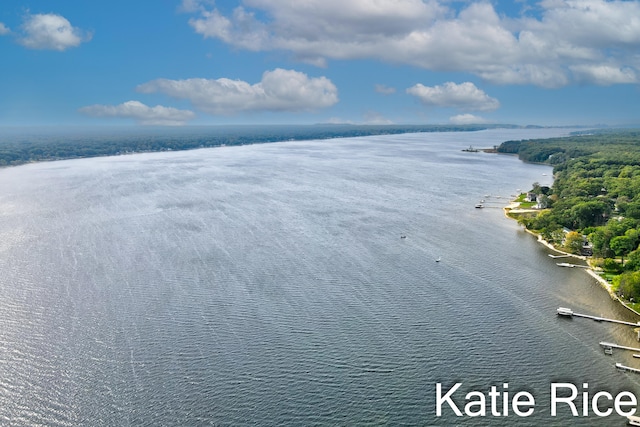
[(573, 242), (588, 213), (621, 246), (633, 235), (611, 265), (633, 261), (600, 239), (536, 188), (629, 284)]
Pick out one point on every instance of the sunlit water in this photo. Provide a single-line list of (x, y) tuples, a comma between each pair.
[(269, 285)]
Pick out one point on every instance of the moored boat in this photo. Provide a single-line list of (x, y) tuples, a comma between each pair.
[(564, 311)]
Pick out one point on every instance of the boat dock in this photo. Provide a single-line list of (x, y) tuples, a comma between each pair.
[(566, 264), (622, 367), (609, 346), (563, 311)]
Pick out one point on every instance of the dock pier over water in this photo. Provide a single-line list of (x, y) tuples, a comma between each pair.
[(563, 311), (608, 346)]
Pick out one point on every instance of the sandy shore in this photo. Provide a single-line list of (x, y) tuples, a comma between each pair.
[(591, 271)]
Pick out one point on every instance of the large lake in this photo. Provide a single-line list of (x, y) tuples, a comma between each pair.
[(269, 285)]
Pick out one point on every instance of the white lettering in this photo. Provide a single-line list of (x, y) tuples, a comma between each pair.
[(596, 408), (440, 399), (480, 403), (530, 401), (494, 394), (505, 401), (568, 400), (631, 402)]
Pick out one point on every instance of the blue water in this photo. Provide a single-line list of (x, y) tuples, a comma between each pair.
[(268, 285)]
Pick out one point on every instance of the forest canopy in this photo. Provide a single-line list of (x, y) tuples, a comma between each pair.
[(595, 195)]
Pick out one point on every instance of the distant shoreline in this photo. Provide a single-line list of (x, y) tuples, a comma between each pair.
[(23, 146)]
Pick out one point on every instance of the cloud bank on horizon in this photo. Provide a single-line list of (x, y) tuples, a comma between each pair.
[(458, 54)]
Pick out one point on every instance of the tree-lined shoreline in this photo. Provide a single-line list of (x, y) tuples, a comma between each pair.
[(593, 206), (20, 146)]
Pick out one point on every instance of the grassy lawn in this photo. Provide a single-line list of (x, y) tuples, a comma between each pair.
[(608, 276), (527, 205), (634, 305)]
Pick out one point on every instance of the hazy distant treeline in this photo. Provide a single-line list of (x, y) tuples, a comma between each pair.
[(19, 146)]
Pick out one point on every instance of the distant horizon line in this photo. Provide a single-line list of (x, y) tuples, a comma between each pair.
[(353, 125)]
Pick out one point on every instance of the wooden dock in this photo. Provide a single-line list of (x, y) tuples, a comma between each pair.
[(611, 346), (566, 264), (622, 367), (563, 311)]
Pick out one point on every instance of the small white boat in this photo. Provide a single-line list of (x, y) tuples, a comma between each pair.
[(633, 420), (564, 311), (479, 206), (438, 259)]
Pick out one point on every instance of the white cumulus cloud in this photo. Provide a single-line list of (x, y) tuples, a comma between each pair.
[(463, 96), (604, 74), (52, 32), (375, 118), (4, 29), (143, 114), (466, 119), (550, 45), (279, 90)]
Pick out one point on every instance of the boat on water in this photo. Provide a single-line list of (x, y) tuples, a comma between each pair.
[(633, 420), (565, 264), (479, 206), (438, 259)]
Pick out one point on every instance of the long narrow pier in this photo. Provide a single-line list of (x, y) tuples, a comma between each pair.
[(608, 345), (627, 368), (563, 311), (566, 264)]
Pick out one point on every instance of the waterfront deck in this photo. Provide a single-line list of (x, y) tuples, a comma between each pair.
[(610, 346), (625, 368), (566, 264), (567, 312)]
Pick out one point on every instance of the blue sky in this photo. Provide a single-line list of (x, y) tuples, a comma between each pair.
[(199, 62)]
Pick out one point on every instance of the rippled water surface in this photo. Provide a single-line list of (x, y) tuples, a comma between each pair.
[(268, 285)]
